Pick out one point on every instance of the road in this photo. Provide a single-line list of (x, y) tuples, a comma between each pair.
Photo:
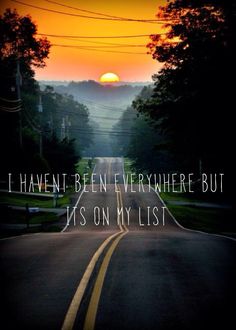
[(118, 272)]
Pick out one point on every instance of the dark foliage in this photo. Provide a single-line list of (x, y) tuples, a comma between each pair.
[(193, 94)]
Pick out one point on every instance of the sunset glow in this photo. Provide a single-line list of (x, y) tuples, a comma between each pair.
[(109, 77), (104, 43)]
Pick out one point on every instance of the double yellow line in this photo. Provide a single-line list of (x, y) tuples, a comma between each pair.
[(90, 317)]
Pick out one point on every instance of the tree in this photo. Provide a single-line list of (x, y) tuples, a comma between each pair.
[(21, 50), (61, 155), (193, 92), (63, 109), (18, 40), (141, 141)]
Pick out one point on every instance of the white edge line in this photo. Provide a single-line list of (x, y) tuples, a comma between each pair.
[(62, 231), (73, 309), (187, 229), (94, 168), (76, 204)]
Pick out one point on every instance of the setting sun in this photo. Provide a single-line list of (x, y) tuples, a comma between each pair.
[(109, 77)]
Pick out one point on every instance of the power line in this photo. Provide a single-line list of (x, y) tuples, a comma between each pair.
[(99, 37), (15, 109), (97, 105), (90, 116), (97, 130), (36, 128), (86, 131), (100, 42), (99, 50), (88, 17), (32, 119), (105, 128), (9, 100), (106, 15), (28, 118), (80, 98), (10, 105), (85, 46), (101, 132), (80, 129), (83, 10), (94, 116)]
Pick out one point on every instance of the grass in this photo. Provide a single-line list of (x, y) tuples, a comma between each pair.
[(37, 222), (46, 221), (212, 220), (129, 170), (11, 216), (182, 197), (47, 202), (22, 200), (83, 166), (128, 166)]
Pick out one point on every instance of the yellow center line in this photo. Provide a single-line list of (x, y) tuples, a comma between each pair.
[(122, 206), (90, 318), (76, 301), (118, 206)]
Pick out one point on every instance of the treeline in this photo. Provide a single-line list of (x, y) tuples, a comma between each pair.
[(144, 142), (94, 91), (40, 130), (186, 121)]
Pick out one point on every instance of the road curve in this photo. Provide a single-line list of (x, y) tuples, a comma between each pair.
[(157, 277)]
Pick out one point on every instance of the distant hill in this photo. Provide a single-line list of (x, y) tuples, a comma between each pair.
[(121, 94), (66, 82), (106, 104)]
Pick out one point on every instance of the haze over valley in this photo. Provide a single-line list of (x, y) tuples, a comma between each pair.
[(106, 103)]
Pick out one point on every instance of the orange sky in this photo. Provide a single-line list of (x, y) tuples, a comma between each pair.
[(80, 64)]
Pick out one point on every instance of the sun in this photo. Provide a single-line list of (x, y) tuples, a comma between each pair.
[(109, 77)]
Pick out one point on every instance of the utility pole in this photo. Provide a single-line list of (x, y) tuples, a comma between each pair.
[(40, 110), (18, 94), (51, 124), (63, 129), (68, 125), (200, 167)]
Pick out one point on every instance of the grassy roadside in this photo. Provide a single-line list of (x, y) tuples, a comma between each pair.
[(22, 200), (14, 222), (128, 166), (209, 219), (85, 166), (12, 216), (47, 202)]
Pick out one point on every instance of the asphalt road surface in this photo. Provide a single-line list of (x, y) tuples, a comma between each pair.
[(134, 268)]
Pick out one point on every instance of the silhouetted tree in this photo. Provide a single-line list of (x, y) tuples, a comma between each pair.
[(193, 92), (18, 40)]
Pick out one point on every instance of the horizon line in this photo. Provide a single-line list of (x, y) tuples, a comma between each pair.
[(116, 82)]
